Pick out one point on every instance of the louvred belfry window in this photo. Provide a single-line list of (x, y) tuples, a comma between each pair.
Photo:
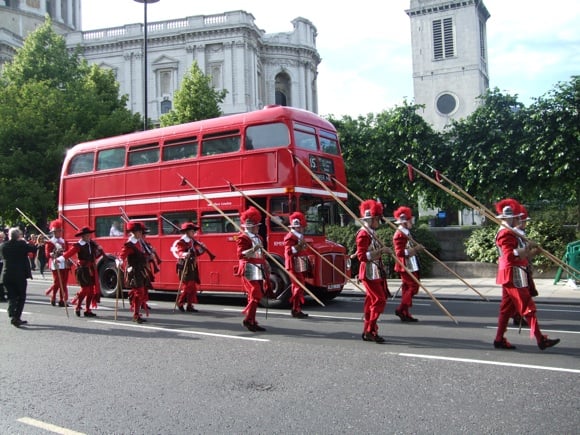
[(443, 39)]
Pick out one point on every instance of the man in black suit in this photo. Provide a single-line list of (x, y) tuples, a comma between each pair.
[(15, 273)]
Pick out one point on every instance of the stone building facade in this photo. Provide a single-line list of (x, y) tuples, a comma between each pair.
[(256, 68), (19, 17)]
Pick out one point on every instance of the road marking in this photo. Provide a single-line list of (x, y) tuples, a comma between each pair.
[(493, 363), (278, 313), (180, 331), (561, 331), (560, 311), (47, 426)]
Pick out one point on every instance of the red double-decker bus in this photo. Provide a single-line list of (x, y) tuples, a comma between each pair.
[(138, 174)]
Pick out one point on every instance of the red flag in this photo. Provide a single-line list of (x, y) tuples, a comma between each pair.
[(410, 172), (438, 176)]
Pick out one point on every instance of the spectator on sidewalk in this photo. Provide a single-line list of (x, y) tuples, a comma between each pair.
[(15, 273)]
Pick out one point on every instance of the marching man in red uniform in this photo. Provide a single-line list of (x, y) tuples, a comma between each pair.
[(511, 275), (87, 251), (521, 229), (372, 272), (54, 248), (137, 270), (252, 266), (187, 249), (406, 251), (296, 260)]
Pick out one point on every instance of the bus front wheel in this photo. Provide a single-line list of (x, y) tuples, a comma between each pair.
[(280, 286)]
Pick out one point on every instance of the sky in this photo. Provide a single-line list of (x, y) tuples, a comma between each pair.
[(366, 62)]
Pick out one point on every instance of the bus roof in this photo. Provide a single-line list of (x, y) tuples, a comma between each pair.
[(267, 114)]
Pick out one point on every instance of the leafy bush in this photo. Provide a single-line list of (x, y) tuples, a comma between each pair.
[(480, 245), (553, 237), (346, 236)]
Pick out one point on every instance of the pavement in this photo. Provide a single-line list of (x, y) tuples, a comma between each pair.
[(563, 292)]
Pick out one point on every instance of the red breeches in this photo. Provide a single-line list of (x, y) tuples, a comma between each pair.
[(254, 293), (297, 298), (375, 303), (409, 288), (138, 298), (54, 289), (85, 292), (188, 293), (517, 300)]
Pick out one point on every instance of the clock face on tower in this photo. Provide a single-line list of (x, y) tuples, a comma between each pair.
[(446, 104)]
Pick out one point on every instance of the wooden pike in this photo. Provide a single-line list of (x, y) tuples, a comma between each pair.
[(356, 218), (392, 225), (473, 203), (322, 257), (185, 181)]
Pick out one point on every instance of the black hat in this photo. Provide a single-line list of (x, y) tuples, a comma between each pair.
[(132, 226), (83, 231)]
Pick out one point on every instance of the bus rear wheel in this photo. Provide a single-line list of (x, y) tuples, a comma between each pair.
[(108, 278)]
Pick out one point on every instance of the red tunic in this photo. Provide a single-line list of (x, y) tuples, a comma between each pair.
[(376, 289)]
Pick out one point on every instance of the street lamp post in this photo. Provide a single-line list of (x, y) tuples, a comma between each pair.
[(145, 3)]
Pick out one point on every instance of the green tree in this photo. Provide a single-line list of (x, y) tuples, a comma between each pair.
[(553, 129), (374, 148), (486, 157), (50, 100), (195, 100)]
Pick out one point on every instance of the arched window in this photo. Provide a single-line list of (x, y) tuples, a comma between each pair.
[(283, 88)]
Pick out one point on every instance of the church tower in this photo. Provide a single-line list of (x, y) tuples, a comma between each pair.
[(449, 48)]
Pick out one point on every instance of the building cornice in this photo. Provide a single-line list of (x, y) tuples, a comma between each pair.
[(448, 6)]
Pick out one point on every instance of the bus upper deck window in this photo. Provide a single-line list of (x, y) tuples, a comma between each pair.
[(329, 143), (306, 141), (81, 163), (110, 159), (220, 145), (267, 136), (180, 149), (143, 155)]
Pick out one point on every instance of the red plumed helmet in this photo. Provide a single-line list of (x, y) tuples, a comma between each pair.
[(55, 225), (251, 217), (403, 214), (370, 208), (297, 220), (507, 208)]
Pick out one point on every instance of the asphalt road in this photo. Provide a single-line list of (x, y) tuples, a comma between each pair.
[(204, 373)]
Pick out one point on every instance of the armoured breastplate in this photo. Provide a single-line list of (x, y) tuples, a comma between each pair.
[(373, 268), (411, 263), (519, 275), (252, 271), (301, 263)]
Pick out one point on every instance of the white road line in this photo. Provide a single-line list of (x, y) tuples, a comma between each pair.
[(560, 331), (493, 363), (278, 313), (560, 311), (180, 331), (47, 426)]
